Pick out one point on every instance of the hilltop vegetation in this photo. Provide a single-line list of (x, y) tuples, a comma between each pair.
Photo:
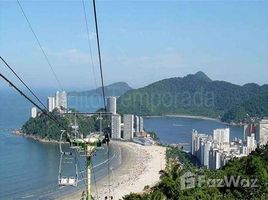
[(194, 94), (256, 107), (42, 127), (249, 169)]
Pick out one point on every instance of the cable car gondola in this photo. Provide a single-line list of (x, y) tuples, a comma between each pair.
[(67, 158)]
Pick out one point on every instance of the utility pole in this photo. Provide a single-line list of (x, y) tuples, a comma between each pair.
[(89, 153), (89, 145), (90, 149)]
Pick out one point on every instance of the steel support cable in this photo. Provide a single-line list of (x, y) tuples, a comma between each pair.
[(40, 45), (29, 89), (99, 54), (13, 71), (31, 101), (89, 43), (102, 84)]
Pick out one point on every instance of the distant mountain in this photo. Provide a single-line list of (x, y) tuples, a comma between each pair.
[(201, 76), (194, 94), (115, 89)]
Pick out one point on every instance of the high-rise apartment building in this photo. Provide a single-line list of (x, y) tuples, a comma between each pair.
[(262, 133), (58, 101), (51, 104), (249, 129), (251, 143), (141, 123), (137, 124), (111, 105), (116, 127), (128, 126), (222, 135), (63, 100), (33, 112)]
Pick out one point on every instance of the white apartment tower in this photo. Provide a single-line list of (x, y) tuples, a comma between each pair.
[(207, 147), (141, 124), (61, 100), (57, 99), (116, 126), (33, 112), (137, 124), (197, 140), (111, 105), (128, 127), (215, 159), (51, 103), (251, 143), (262, 134), (222, 135)]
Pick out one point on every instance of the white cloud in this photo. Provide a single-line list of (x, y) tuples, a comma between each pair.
[(75, 56)]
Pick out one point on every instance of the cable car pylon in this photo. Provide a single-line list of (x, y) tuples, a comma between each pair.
[(85, 145)]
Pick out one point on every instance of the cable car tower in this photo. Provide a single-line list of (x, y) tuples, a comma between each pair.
[(85, 147)]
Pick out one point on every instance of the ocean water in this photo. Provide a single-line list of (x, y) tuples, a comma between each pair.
[(173, 130), (29, 169)]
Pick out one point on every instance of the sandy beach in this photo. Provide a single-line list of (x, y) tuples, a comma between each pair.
[(194, 117), (140, 167)]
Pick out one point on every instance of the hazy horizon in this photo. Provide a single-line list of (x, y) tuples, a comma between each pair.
[(69, 89)]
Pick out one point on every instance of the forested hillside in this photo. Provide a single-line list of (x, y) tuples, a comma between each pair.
[(194, 94)]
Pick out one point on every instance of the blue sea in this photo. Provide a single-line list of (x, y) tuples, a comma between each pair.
[(29, 169)]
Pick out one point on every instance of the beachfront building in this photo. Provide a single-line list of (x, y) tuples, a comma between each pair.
[(137, 124), (249, 129), (128, 132), (262, 133), (33, 112), (51, 103), (197, 138), (61, 100), (141, 124), (214, 152), (251, 144), (116, 127), (205, 153), (111, 105), (58, 101), (215, 158), (221, 135)]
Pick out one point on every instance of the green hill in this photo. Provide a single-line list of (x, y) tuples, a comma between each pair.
[(194, 94), (115, 89), (256, 107)]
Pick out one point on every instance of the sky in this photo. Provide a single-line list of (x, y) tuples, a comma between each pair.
[(141, 41)]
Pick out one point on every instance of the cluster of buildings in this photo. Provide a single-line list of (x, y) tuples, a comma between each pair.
[(59, 102), (214, 151), (128, 127)]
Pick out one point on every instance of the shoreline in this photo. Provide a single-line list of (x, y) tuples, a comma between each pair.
[(184, 116), (140, 167), (34, 137), (193, 117)]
